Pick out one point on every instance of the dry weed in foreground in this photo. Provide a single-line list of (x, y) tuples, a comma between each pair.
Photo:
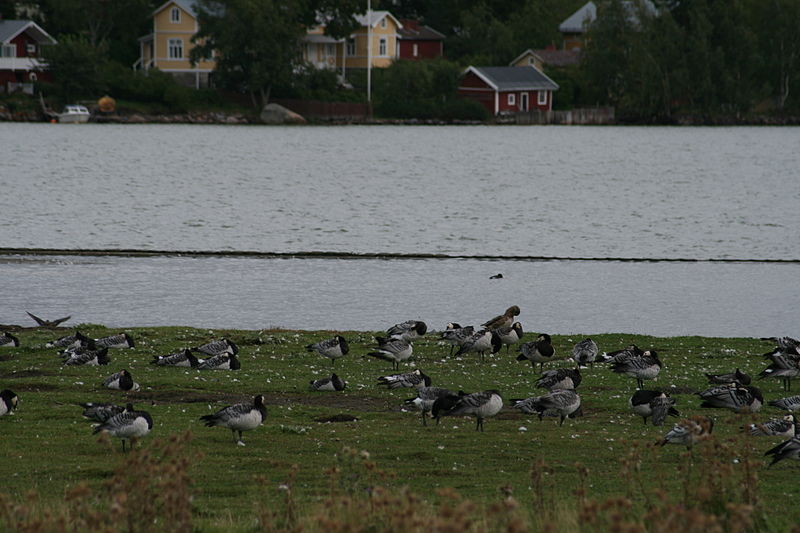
[(149, 491), (714, 489)]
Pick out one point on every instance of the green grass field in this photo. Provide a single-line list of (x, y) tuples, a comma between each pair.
[(551, 471)]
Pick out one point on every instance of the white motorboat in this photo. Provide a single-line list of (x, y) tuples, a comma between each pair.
[(74, 114)]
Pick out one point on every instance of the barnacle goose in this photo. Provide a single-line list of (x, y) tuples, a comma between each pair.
[(239, 417), (8, 402), (539, 351), (184, 358), (689, 431), (481, 405), (483, 341), (333, 348), (559, 402), (121, 380), (584, 353), (411, 379), (127, 425), (392, 350), (333, 383), (655, 403), (410, 330)]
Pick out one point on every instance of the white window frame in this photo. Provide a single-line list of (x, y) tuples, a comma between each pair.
[(383, 22), (175, 15), (541, 97), (8, 50), (383, 47), (173, 46), (524, 101), (511, 99), (350, 47), (415, 48), (30, 48)]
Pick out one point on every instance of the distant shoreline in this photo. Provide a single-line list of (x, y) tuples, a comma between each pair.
[(220, 118)]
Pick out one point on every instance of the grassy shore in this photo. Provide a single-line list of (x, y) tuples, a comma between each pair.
[(301, 470)]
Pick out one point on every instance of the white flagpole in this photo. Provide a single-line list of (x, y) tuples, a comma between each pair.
[(369, 51)]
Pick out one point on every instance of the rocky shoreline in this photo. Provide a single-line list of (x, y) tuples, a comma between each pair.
[(245, 119)]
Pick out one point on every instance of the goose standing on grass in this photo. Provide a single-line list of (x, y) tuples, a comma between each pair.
[(120, 340), (481, 405), (689, 431), (539, 351), (784, 366), (655, 403), (785, 427), (562, 403), (333, 383), (559, 378), (393, 350), (239, 417), (48, 323), (584, 353), (221, 346), (738, 398), (791, 403), (7, 340), (222, 361), (643, 367), (481, 342), (184, 358), (427, 396), (442, 405), (732, 377), (414, 379), (127, 425), (510, 335), (87, 357), (456, 335), (409, 331), (8, 402), (100, 412), (504, 320), (121, 380), (333, 348)]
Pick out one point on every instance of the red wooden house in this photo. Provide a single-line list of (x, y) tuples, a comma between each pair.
[(508, 89), (419, 42), (21, 44)]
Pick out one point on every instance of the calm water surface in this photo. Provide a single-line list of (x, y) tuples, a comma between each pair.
[(503, 191), (715, 299), (517, 191)]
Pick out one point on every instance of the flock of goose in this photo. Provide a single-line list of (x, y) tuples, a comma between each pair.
[(732, 391)]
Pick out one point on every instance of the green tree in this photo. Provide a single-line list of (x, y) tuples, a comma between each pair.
[(113, 24), (75, 65), (611, 44), (257, 43), (776, 24)]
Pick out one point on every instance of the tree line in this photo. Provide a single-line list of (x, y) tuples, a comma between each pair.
[(653, 61)]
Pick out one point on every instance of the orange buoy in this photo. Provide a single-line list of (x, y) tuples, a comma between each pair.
[(107, 104)]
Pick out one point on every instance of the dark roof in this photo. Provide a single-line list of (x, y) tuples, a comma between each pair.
[(559, 58), (514, 78), (11, 28), (414, 30)]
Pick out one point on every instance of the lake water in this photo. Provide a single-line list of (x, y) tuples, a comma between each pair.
[(580, 192)]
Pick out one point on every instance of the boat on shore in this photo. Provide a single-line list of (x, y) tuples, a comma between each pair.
[(74, 114)]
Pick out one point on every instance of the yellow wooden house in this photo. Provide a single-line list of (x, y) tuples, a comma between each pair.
[(168, 47), (374, 42)]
